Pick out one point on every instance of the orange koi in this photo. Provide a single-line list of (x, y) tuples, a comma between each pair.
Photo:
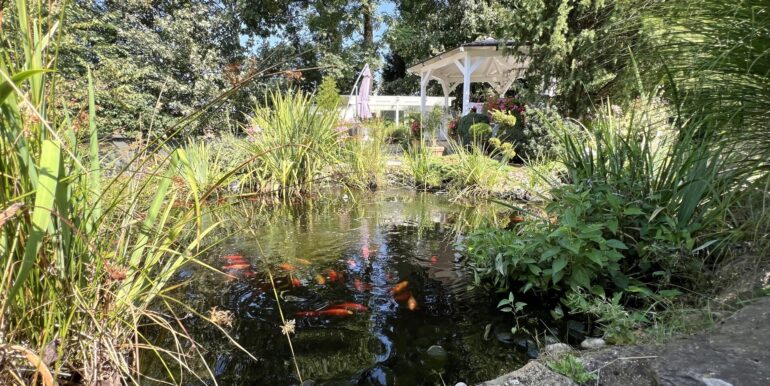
[(295, 282), (307, 314), (286, 267), (335, 312), (434, 259), (233, 257), (355, 307), (400, 287), (335, 276), (517, 219), (237, 266), (402, 297), (411, 303), (320, 279)]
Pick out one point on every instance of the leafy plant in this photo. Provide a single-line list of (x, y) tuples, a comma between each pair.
[(432, 122), (618, 324), (465, 123), (512, 306), (572, 368)]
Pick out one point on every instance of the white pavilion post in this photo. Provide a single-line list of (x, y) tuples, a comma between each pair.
[(398, 111), (445, 88), (467, 69), (424, 79)]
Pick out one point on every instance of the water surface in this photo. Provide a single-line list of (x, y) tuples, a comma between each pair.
[(339, 250)]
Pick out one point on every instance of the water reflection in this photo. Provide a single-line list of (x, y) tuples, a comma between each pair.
[(356, 253)]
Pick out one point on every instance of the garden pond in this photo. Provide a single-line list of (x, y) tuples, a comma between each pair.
[(376, 287)]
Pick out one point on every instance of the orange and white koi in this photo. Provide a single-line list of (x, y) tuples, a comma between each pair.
[(411, 303), (286, 267), (400, 287), (335, 312), (320, 279), (355, 307), (237, 266), (434, 259)]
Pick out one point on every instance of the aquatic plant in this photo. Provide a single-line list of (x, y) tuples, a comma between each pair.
[(304, 140), (422, 167), (87, 253)]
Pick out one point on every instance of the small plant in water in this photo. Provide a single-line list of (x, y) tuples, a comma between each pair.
[(514, 307)]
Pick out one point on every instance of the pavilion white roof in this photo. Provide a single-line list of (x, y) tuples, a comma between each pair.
[(482, 61)]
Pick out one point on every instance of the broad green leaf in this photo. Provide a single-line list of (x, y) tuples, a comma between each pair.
[(617, 244), (558, 265), (550, 252), (45, 193), (597, 257), (95, 173), (632, 211)]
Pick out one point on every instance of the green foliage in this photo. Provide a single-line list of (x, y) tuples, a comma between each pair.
[(328, 97), (432, 122), (480, 132), (582, 44), (299, 140), (465, 123), (85, 252), (422, 167), (572, 368), (473, 172), (154, 62), (618, 324)]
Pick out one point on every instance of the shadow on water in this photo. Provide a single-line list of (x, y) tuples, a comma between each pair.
[(359, 252)]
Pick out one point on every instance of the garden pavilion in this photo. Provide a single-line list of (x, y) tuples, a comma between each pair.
[(476, 62)]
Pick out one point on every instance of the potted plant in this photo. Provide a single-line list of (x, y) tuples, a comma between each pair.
[(432, 123)]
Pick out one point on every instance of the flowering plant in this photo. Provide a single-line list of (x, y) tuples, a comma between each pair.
[(513, 105), (415, 126), (452, 126)]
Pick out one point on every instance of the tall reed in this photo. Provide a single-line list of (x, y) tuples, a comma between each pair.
[(83, 255), (304, 140)]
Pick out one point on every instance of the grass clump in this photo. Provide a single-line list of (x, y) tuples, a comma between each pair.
[(299, 140), (571, 367)]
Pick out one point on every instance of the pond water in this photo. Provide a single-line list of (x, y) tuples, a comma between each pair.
[(378, 292)]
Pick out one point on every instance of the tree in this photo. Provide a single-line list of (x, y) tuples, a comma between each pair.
[(153, 62), (328, 97), (584, 45), (335, 35)]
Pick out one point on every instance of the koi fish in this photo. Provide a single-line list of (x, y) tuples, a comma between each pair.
[(411, 303), (352, 264), (307, 314), (335, 312), (335, 276), (400, 287), (303, 261), (402, 297), (233, 257), (388, 276), (359, 285), (434, 259), (249, 274), (517, 219), (237, 266), (295, 282), (320, 279), (286, 267), (355, 307), (365, 251)]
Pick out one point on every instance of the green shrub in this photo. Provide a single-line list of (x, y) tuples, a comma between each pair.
[(465, 123), (480, 132)]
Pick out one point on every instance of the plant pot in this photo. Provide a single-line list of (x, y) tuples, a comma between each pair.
[(436, 150)]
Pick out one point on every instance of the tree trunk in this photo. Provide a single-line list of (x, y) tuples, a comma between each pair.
[(366, 9)]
